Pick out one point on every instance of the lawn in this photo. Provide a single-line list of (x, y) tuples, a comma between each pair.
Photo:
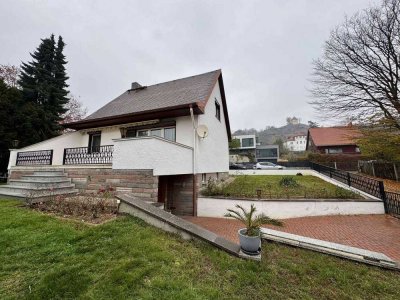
[(43, 257), (311, 187)]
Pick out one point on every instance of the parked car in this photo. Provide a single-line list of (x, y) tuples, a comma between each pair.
[(248, 165), (237, 167), (267, 166)]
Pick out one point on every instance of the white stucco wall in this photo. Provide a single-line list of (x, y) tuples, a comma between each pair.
[(162, 156), (213, 151), (214, 207), (57, 144)]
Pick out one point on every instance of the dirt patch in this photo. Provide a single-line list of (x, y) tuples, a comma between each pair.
[(89, 208)]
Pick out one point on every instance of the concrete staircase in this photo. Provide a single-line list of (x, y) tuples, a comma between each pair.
[(40, 185)]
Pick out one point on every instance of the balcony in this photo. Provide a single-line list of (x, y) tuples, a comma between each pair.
[(88, 155), (162, 156)]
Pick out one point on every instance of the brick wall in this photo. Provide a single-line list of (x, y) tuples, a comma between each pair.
[(140, 183)]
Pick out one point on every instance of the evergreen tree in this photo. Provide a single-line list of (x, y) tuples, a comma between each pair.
[(60, 76), (43, 85)]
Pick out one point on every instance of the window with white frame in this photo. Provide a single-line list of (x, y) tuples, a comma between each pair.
[(168, 133)]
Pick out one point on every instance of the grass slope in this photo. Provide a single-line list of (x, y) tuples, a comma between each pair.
[(43, 257), (309, 187)]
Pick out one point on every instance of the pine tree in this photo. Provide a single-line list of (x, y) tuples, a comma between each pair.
[(60, 76), (44, 89)]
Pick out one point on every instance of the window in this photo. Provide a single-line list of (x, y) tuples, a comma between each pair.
[(273, 152), (94, 142), (204, 178), (155, 132), (169, 134), (247, 142), (141, 133), (217, 110), (166, 133), (130, 133), (334, 150)]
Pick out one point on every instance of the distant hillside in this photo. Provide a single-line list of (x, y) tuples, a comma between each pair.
[(270, 134)]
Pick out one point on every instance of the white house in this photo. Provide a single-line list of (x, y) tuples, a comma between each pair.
[(143, 142), (296, 143)]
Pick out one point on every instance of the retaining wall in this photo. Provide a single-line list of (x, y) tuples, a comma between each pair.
[(141, 183), (284, 209)]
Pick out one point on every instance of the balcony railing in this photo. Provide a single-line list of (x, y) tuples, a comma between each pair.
[(88, 155), (40, 157)]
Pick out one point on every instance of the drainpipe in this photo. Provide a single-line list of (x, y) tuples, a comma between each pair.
[(194, 162)]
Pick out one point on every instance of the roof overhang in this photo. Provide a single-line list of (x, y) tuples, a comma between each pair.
[(166, 112), (170, 112)]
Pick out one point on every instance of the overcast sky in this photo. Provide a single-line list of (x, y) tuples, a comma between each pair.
[(264, 48)]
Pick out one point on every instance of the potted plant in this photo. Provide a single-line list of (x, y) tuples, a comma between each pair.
[(250, 237)]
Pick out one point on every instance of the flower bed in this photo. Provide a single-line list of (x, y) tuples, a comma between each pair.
[(92, 208)]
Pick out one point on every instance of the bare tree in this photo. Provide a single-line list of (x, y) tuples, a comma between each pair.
[(358, 74), (9, 74), (75, 110)]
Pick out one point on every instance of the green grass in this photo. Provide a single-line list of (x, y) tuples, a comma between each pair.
[(308, 187), (43, 257)]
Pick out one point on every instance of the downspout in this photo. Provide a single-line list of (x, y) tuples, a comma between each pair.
[(194, 162)]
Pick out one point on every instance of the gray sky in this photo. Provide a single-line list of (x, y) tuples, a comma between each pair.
[(264, 48)]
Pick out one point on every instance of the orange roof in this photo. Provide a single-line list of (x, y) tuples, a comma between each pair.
[(334, 136)]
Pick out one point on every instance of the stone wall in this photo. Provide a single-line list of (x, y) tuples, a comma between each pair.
[(141, 183)]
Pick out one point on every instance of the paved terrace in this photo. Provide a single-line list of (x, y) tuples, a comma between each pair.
[(380, 233)]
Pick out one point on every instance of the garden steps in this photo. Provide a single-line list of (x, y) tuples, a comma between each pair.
[(41, 185)]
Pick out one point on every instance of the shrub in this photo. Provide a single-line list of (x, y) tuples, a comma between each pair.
[(211, 188), (288, 182)]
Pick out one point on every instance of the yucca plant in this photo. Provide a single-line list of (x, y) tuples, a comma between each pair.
[(250, 220)]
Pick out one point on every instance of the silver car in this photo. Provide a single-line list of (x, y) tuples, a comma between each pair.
[(267, 166)]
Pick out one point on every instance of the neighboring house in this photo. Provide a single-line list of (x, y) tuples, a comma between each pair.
[(267, 153), (296, 143), (246, 150), (333, 140), (144, 142), (249, 146)]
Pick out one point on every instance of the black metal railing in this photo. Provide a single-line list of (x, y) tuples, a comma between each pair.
[(363, 183), (88, 155), (392, 201), (40, 157)]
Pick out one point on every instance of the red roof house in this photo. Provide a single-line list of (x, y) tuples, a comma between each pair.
[(333, 140)]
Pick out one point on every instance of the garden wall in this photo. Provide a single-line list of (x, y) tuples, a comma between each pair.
[(284, 209), (141, 183)]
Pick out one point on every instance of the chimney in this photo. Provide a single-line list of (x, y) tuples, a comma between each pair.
[(135, 86)]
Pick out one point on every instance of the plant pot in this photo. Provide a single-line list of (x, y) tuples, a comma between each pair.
[(249, 244)]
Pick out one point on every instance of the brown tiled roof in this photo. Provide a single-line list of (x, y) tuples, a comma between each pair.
[(190, 90), (334, 136), (164, 100)]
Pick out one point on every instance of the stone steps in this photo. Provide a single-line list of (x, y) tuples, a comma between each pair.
[(41, 185), (48, 178)]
